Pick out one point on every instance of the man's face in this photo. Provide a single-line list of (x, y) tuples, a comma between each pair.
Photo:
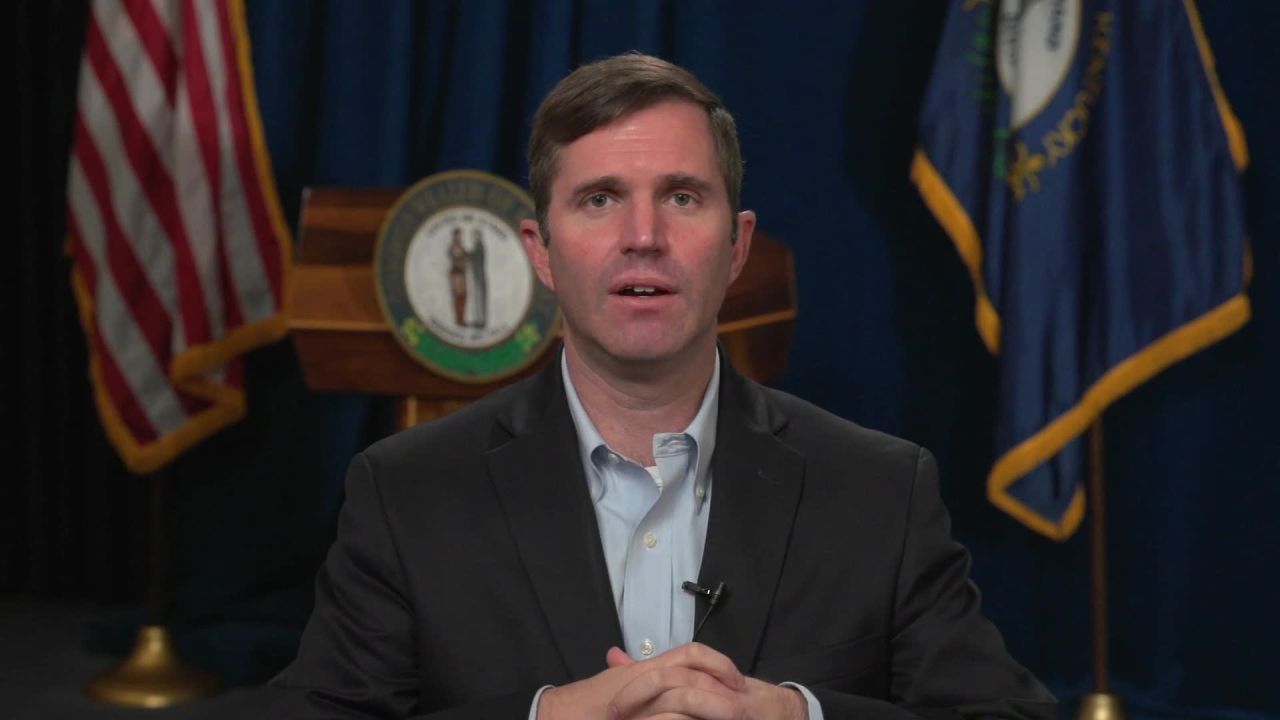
[(639, 255)]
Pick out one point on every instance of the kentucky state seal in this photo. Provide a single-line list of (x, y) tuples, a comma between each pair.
[(454, 281)]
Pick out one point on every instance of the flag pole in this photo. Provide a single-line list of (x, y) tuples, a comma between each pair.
[(153, 676), (1101, 704)]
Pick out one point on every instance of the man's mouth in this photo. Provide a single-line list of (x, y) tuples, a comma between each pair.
[(641, 291)]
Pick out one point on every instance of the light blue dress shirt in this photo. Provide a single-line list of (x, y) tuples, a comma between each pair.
[(653, 525), (653, 522)]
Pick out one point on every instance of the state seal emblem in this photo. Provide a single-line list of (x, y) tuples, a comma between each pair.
[(1037, 43), (454, 281)]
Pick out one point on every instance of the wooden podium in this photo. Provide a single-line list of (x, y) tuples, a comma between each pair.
[(345, 343)]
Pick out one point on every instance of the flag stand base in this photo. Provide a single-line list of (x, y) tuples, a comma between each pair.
[(1100, 706), (152, 676)]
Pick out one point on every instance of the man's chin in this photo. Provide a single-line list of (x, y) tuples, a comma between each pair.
[(648, 357), (625, 354), (638, 354)]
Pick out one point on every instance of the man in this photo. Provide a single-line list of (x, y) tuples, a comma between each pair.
[(526, 557)]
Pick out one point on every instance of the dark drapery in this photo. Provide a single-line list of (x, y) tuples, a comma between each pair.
[(65, 519), (382, 93)]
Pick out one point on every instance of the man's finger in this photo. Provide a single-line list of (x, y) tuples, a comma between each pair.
[(673, 689), (701, 657), (617, 657), (694, 702)]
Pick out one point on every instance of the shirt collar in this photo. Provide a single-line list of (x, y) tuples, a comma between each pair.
[(702, 429)]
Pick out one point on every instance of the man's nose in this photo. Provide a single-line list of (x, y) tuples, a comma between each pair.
[(644, 231)]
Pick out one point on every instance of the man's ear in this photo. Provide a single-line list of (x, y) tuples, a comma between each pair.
[(742, 246), (531, 236)]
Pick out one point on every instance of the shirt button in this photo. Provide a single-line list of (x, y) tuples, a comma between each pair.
[(699, 491), (646, 647), (650, 540)]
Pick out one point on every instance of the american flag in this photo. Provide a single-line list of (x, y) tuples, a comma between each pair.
[(179, 250)]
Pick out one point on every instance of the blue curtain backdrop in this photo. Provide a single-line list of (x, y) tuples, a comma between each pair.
[(359, 93)]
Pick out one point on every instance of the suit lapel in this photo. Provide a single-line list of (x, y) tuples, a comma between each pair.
[(756, 482), (539, 480)]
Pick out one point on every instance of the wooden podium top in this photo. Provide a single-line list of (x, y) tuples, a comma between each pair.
[(345, 343)]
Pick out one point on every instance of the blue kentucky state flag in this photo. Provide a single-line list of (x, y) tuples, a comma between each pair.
[(1083, 159)]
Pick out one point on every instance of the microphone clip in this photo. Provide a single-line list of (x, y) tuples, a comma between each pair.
[(713, 595)]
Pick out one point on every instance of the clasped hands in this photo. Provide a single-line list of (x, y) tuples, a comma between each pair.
[(690, 681)]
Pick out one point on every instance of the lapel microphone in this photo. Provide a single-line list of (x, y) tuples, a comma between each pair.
[(713, 596)]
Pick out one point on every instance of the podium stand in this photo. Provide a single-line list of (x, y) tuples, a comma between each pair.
[(345, 343)]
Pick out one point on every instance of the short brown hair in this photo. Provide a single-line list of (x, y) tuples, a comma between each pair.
[(601, 92)]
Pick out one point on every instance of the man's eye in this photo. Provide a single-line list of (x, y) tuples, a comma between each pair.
[(682, 199), (598, 200)]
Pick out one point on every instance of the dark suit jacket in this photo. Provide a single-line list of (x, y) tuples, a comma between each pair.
[(468, 571)]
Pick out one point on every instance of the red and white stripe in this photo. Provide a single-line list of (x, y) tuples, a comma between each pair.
[(177, 243)]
